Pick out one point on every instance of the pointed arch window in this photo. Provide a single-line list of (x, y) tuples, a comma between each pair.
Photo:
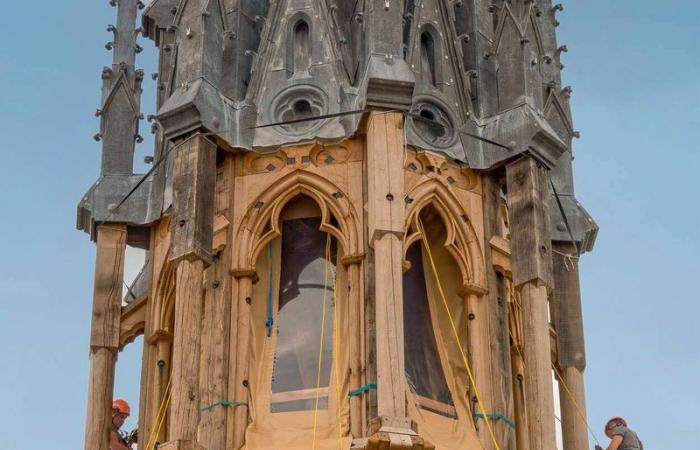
[(424, 371), (302, 46), (428, 57), (305, 266)]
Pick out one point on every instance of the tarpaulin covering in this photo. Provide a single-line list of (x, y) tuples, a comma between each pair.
[(438, 394), (284, 366)]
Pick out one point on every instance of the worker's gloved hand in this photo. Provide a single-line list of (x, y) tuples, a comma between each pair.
[(598, 447)]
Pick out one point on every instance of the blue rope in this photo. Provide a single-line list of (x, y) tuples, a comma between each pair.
[(363, 389), (495, 416), (270, 320), (223, 403)]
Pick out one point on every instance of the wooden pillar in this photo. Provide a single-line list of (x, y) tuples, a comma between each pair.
[(355, 346), (239, 389), (522, 438), (479, 358), (216, 350), (194, 174), (104, 336), (539, 396), (574, 431), (571, 353), (528, 197), (495, 318), (184, 410), (385, 217)]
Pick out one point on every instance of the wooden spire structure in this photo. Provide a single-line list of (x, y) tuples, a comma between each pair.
[(360, 225)]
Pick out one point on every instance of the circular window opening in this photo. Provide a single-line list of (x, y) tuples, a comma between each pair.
[(302, 109), (430, 125)]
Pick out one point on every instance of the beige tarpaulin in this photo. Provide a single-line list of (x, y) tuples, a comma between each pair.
[(284, 419), (447, 433)]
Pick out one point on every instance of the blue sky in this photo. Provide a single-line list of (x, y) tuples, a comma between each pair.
[(633, 66)]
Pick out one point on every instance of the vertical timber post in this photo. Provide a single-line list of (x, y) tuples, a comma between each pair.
[(194, 174), (385, 215), (570, 345), (104, 337), (355, 345), (497, 336), (239, 389), (528, 197), (215, 357)]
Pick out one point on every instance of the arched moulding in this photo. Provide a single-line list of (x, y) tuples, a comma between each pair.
[(261, 223), (461, 240), (164, 303), (133, 322), (453, 175), (322, 155), (260, 162)]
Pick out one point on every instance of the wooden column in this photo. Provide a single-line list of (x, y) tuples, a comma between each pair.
[(238, 390), (528, 197), (184, 410), (385, 218), (216, 349), (194, 174), (479, 359), (104, 336), (571, 353), (495, 318), (355, 345), (522, 436), (573, 425)]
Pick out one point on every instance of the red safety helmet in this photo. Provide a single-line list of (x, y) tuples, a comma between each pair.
[(121, 406), (617, 421)]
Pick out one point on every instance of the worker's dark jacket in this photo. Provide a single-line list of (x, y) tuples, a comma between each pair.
[(630, 441)]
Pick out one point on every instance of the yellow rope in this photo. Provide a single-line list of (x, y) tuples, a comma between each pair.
[(575, 403), (160, 416), (323, 330), (456, 335)]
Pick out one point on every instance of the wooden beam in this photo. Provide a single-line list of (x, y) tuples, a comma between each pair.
[(571, 352), (104, 336), (385, 217), (528, 201), (491, 324), (573, 409), (216, 325), (567, 311), (194, 178), (355, 351), (185, 404), (539, 396), (522, 435), (480, 361), (238, 390)]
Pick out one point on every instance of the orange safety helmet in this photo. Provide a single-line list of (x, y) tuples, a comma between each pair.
[(122, 406), (617, 421)]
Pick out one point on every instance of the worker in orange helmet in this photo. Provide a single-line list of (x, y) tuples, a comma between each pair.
[(120, 412), (621, 437)]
